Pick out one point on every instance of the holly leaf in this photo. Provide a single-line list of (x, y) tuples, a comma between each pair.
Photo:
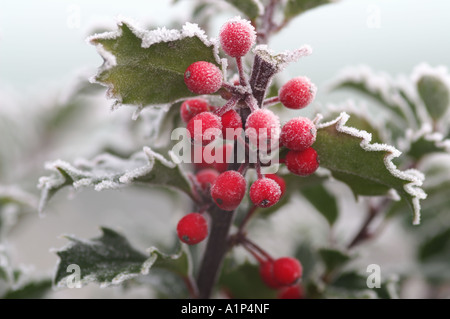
[(354, 285), (251, 8), (295, 7), (143, 67), (366, 168), (380, 87), (435, 245), (244, 282), (434, 94), (31, 290), (110, 260), (333, 258), (109, 172), (323, 201)]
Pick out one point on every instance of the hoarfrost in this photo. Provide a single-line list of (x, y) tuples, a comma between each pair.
[(103, 172), (413, 177), (379, 83), (281, 60)]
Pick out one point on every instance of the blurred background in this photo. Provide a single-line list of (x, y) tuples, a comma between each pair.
[(43, 56)]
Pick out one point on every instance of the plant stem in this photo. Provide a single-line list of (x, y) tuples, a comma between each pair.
[(217, 246), (242, 77), (215, 251), (364, 233)]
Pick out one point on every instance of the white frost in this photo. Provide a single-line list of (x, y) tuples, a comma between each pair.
[(414, 177), (281, 60), (103, 172), (379, 83)]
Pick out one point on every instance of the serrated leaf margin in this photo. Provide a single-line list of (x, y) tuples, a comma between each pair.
[(148, 38), (414, 177)]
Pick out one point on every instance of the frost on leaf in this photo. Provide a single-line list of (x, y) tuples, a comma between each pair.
[(433, 87), (281, 60), (383, 89), (425, 141), (143, 67), (110, 260), (366, 168), (108, 172)]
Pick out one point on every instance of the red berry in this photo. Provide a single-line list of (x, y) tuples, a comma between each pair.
[(203, 78), (231, 125), (265, 192), (287, 270), (292, 292), (204, 128), (237, 36), (206, 177), (280, 181), (266, 273), (228, 190), (218, 158), (192, 107), (224, 153), (297, 93), (302, 163), (262, 126), (298, 134), (192, 228)]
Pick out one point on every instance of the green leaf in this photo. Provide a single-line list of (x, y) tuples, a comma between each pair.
[(144, 67), (423, 145), (109, 172), (251, 8), (110, 260), (293, 184), (244, 282), (333, 258), (435, 245), (355, 285), (296, 7), (366, 168), (435, 95), (323, 201), (380, 88), (31, 290)]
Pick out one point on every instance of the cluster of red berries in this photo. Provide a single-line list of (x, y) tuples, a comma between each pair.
[(261, 129), (282, 274)]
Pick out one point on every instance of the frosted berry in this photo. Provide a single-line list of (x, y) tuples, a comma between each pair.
[(206, 177), (228, 190), (192, 228), (203, 78), (291, 292), (298, 134), (192, 107), (266, 273), (302, 163), (237, 36), (218, 158), (262, 126), (287, 270), (297, 93), (204, 128), (280, 181), (265, 192), (231, 125), (224, 153)]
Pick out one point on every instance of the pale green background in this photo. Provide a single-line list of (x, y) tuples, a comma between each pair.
[(38, 50)]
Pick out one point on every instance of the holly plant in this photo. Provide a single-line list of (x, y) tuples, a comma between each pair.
[(231, 141)]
